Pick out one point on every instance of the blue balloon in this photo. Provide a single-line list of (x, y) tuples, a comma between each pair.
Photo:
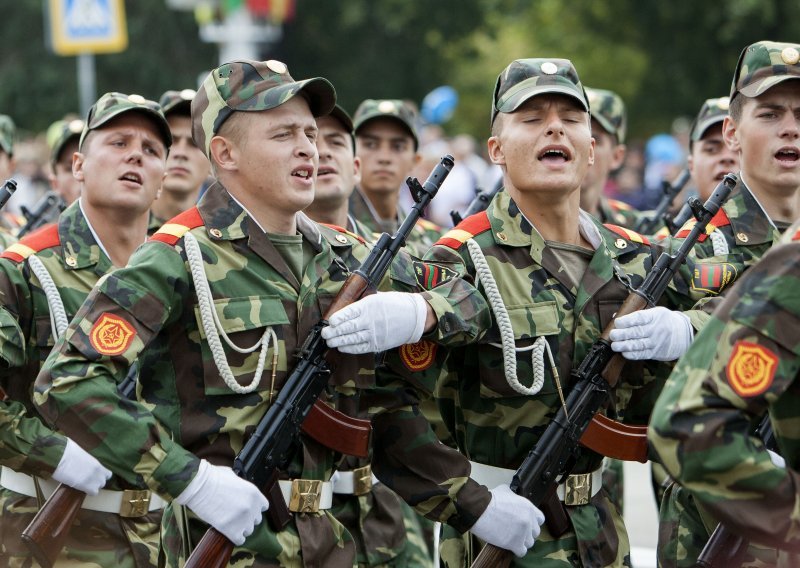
[(439, 105)]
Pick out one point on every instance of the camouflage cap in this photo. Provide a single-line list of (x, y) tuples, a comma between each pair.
[(341, 115), (712, 112), (763, 65), (608, 109), (60, 133), (396, 109), (7, 133), (250, 86), (525, 78), (179, 102), (112, 105)]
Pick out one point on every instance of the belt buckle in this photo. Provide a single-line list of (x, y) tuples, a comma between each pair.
[(306, 495), (578, 489), (362, 480), (135, 503)]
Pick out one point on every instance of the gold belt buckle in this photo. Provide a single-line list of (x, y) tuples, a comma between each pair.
[(135, 503), (362, 480), (306, 494), (578, 489)]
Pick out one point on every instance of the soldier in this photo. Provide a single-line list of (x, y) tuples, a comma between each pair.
[(187, 165), (554, 277), (387, 144), (742, 366), (243, 266), (65, 136), (7, 133), (761, 127), (44, 279), (609, 125)]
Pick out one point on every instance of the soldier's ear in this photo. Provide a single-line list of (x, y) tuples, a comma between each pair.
[(494, 149), (591, 151), (730, 133), (224, 153), (78, 159), (357, 170)]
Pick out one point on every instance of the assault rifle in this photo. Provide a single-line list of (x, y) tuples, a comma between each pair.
[(45, 211), (725, 548), (478, 204), (557, 451), (275, 439), (661, 215)]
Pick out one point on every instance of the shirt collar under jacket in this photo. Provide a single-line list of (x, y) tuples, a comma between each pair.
[(79, 241)]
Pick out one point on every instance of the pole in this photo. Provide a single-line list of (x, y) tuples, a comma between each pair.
[(87, 84)]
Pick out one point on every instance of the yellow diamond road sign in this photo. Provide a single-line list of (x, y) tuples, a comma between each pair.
[(87, 26)]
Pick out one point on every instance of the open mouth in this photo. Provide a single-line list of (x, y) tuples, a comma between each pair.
[(132, 177), (303, 172), (789, 155), (554, 154)]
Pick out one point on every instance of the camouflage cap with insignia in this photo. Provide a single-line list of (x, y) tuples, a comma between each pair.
[(60, 133), (712, 112), (763, 65), (526, 78), (179, 102), (250, 86), (608, 109), (341, 115), (396, 109), (111, 105), (7, 133)]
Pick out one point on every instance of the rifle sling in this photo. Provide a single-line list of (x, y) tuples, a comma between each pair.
[(338, 431), (615, 439)]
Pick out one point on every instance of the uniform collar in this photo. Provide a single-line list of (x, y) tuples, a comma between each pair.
[(750, 224), (79, 246)]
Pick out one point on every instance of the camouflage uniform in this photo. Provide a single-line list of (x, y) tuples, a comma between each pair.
[(739, 235), (7, 133), (68, 252), (743, 365), (186, 410)]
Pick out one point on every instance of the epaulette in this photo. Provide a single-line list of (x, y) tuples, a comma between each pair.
[(661, 234), (429, 225), (465, 230), (339, 229), (618, 205), (172, 231), (796, 236), (719, 220), (627, 234), (37, 241)]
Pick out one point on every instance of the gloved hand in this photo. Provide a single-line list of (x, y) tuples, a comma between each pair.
[(81, 470), (777, 459), (377, 323), (655, 333), (510, 521), (225, 501)]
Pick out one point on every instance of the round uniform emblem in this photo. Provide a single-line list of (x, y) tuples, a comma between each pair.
[(418, 356), (751, 368), (136, 99), (71, 261), (742, 237), (502, 236), (216, 233), (276, 66), (387, 106), (790, 55), (111, 335), (621, 243), (549, 68), (188, 94), (342, 239)]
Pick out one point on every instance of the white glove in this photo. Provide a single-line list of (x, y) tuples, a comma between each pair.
[(225, 501), (377, 323), (81, 470), (510, 521), (777, 459), (655, 333)]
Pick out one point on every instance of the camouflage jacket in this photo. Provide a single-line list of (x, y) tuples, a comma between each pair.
[(6, 239), (148, 312), (494, 424), (744, 363), (423, 236), (75, 262)]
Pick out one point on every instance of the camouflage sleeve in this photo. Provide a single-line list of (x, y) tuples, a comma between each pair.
[(77, 388), (26, 443), (743, 364)]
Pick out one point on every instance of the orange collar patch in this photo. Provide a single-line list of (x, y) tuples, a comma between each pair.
[(111, 335), (418, 356), (751, 368)]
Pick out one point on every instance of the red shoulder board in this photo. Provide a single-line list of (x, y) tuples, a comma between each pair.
[(618, 205), (796, 236), (339, 229), (627, 234), (40, 239), (465, 230), (719, 220), (172, 231)]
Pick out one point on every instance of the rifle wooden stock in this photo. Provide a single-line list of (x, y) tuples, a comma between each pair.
[(725, 549), (213, 551), (492, 556), (338, 431), (47, 533), (615, 439)]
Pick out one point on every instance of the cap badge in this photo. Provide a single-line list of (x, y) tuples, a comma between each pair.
[(276, 66), (790, 55), (75, 126), (549, 68), (387, 106), (136, 99), (188, 94), (723, 103)]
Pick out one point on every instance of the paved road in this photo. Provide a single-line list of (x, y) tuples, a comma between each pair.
[(641, 516)]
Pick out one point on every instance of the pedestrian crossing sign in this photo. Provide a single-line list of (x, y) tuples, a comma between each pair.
[(87, 26)]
